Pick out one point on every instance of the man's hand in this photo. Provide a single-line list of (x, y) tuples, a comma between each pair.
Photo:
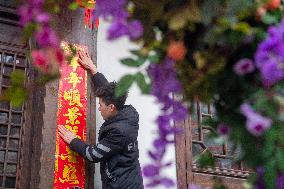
[(66, 135), (86, 61)]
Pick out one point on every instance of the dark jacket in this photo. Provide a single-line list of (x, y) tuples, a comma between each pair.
[(117, 148)]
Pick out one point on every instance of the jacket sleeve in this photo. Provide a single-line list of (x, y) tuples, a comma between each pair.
[(107, 147), (99, 80)]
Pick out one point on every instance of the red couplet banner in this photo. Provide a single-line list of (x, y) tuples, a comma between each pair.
[(69, 170)]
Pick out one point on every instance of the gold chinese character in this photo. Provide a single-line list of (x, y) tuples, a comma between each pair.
[(74, 79), (74, 129), (69, 175), (70, 155), (72, 114), (73, 96), (74, 63)]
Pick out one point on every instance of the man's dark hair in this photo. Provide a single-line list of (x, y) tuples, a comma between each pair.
[(107, 93)]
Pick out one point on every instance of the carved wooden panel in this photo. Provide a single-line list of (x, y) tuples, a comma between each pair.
[(11, 120), (194, 141), (8, 3)]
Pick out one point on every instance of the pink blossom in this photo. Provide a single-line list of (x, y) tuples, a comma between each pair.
[(244, 66), (256, 124), (223, 129), (47, 37), (39, 60)]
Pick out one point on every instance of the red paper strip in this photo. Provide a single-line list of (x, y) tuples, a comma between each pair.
[(72, 102)]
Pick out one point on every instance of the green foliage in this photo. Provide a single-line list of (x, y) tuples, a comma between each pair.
[(124, 84), (216, 34), (270, 174), (132, 63), (73, 53), (280, 159), (16, 93), (205, 160), (127, 80), (141, 82), (73, 6), (28, 31), (198, 82), (272, 17)]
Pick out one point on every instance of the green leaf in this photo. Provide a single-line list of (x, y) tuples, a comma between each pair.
[(29, 30), (269, 145), (18, 97), (210, 122), (124, 84), (269, 19), (141, 82), (132, 63), (73, 49), (206, 160), (242, 27), (73, 6), (280, 158), (154, 58), (270, 174), (18, 77), (138, 53)]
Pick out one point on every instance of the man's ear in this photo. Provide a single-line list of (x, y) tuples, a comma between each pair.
[(112, 106)]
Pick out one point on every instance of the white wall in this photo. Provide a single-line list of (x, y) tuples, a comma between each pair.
[(108, 55)]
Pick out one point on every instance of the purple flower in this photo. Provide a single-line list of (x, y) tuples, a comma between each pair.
[(151, 170), (135, 29), (164, 79), (271, 72), (223, 129), (244, 66), (179, 111), (156, 156), (32, 12), (260, 179), (269, 56), (255, 124), (167, 182), (47, 37), (280, 181), (120, 28), (115, 8), (164, 84), (117, 29), (36, 3), (160, 143), (164, 124), (26, 14), (42, 18)]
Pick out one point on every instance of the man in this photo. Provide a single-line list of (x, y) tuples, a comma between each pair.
[(117, 148)]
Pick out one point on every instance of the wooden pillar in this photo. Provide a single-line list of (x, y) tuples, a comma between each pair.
[(42, 109)]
